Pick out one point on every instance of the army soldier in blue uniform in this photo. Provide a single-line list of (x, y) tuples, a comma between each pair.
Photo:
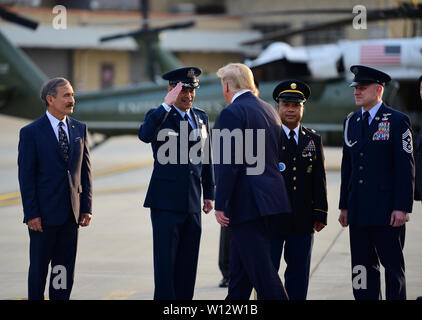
[(377, 183), (302, 166), (174, 192)]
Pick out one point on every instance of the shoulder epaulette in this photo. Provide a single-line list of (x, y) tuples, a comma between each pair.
[(198, 109)]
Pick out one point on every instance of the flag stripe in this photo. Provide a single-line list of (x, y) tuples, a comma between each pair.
[(380, 55)]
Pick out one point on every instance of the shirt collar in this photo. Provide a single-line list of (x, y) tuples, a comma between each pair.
[(287, 130), (237, 94), (373, 111), (182, 113), (54, 121)]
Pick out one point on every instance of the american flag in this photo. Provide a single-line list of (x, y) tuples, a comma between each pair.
[(380, 55)]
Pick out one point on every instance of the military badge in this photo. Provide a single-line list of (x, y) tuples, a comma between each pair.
[(293, 86), (385, 116), (281, 166), (309, 169), (407, 141), (309, 149), (383, 132), (191, 73)]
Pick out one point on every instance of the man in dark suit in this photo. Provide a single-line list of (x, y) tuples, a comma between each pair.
[(55, 184), (377, 183), (249, 193), (179, 136), (225, 235), (302, 166), (418, 157)]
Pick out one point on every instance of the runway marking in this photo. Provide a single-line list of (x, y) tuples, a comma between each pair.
[(14, 198), (10, 195), (119, 295), (326, 252), (121, 189)]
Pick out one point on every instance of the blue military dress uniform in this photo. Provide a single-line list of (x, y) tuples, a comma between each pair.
[(377, 177), (174, 192)]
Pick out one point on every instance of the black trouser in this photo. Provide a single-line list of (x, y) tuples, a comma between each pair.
[(224, 252), (251, 265), (57, 245), (369, 246), (297, 254), (176, 238)]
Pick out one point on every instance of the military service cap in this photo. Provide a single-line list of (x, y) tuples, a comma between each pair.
[(365, 75), (188, 77), (292, 91)]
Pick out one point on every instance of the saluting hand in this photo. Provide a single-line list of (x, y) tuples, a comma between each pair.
[(171, 96)]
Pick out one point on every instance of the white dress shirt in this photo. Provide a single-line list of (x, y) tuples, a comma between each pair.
[(237, 94), (287, 131), (55, 124)]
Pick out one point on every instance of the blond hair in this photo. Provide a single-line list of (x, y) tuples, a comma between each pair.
[(238, 76)]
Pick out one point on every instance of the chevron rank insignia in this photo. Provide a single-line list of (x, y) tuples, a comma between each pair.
[(407, 141)]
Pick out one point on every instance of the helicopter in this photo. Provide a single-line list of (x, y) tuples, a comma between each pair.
[(119, 111)]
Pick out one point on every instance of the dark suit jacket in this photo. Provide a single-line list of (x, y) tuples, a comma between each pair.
[(246, 197), (177, 186), (304, 173), (418, 167), (50, 187), (377, 173)]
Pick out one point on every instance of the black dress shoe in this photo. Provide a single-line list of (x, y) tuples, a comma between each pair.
[(224, 283)]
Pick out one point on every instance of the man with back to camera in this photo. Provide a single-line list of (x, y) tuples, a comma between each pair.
[(56, 189), (302, 166), (377, 183), (174, 192), (246, 201)]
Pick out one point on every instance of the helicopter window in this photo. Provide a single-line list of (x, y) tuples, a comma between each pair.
[(267, 28), (107, 75), (323, 36)]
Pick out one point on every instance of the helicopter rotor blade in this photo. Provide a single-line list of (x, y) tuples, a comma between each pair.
[(18, 19)]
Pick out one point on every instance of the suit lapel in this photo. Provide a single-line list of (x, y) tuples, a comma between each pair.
[(196, 119), (303, 140), (284, 145), (72, 133), (175, 118)]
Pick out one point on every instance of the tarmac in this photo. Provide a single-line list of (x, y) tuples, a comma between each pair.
[(115, 259)]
